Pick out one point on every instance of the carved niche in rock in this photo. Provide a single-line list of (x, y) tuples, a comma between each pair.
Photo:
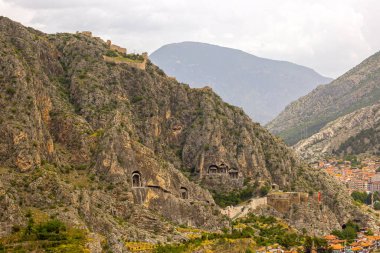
[(213, 169), (136, 179), (234, 173), (184, 193)]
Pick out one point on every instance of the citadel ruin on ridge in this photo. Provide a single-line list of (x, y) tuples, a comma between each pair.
[(121, 50)]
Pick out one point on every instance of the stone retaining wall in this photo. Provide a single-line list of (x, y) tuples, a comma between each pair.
[(138, 65)]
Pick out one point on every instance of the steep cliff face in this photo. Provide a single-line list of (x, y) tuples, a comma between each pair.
[(73, 108), (65, 112), (366, 141), (346, 134), (122, 151), (358, 88)]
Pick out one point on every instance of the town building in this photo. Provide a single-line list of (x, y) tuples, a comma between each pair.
[(374, 183)]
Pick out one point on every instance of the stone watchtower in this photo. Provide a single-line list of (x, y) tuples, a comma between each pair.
[(86, 33), (116, 48)]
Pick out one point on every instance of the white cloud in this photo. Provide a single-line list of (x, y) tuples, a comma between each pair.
[(329, 36), (15, 12)]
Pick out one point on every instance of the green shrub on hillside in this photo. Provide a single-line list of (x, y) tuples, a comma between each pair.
[(233, 198), (263, 230), (349, 232), (53, 230), (365, 198), (137, 99), (236, 197), (136, 57), (360, 197), (111, 53), (51, 236), (376, 206)]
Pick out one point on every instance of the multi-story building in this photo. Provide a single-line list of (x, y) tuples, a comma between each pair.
[(358, 184), (374, 183)]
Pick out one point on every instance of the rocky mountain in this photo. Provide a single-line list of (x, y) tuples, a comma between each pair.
[(262, 87), (354, 133), (358, 88), (126, 153)]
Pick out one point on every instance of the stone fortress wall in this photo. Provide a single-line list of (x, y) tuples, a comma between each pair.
[(86, 33), (229, 177), (138, 65), (116, 48), (282, 201), (235, 212), (122, 50)]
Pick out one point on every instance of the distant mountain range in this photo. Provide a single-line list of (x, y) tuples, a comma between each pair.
[(262, 87), (327, 104)]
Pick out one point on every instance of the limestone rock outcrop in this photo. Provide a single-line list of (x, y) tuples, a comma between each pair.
[(330, 138), (356, 89), (123, 152)]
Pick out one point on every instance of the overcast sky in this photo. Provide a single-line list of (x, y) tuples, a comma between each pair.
[(330, 36)]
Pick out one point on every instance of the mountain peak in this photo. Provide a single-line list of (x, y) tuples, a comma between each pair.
[(262, 87)]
